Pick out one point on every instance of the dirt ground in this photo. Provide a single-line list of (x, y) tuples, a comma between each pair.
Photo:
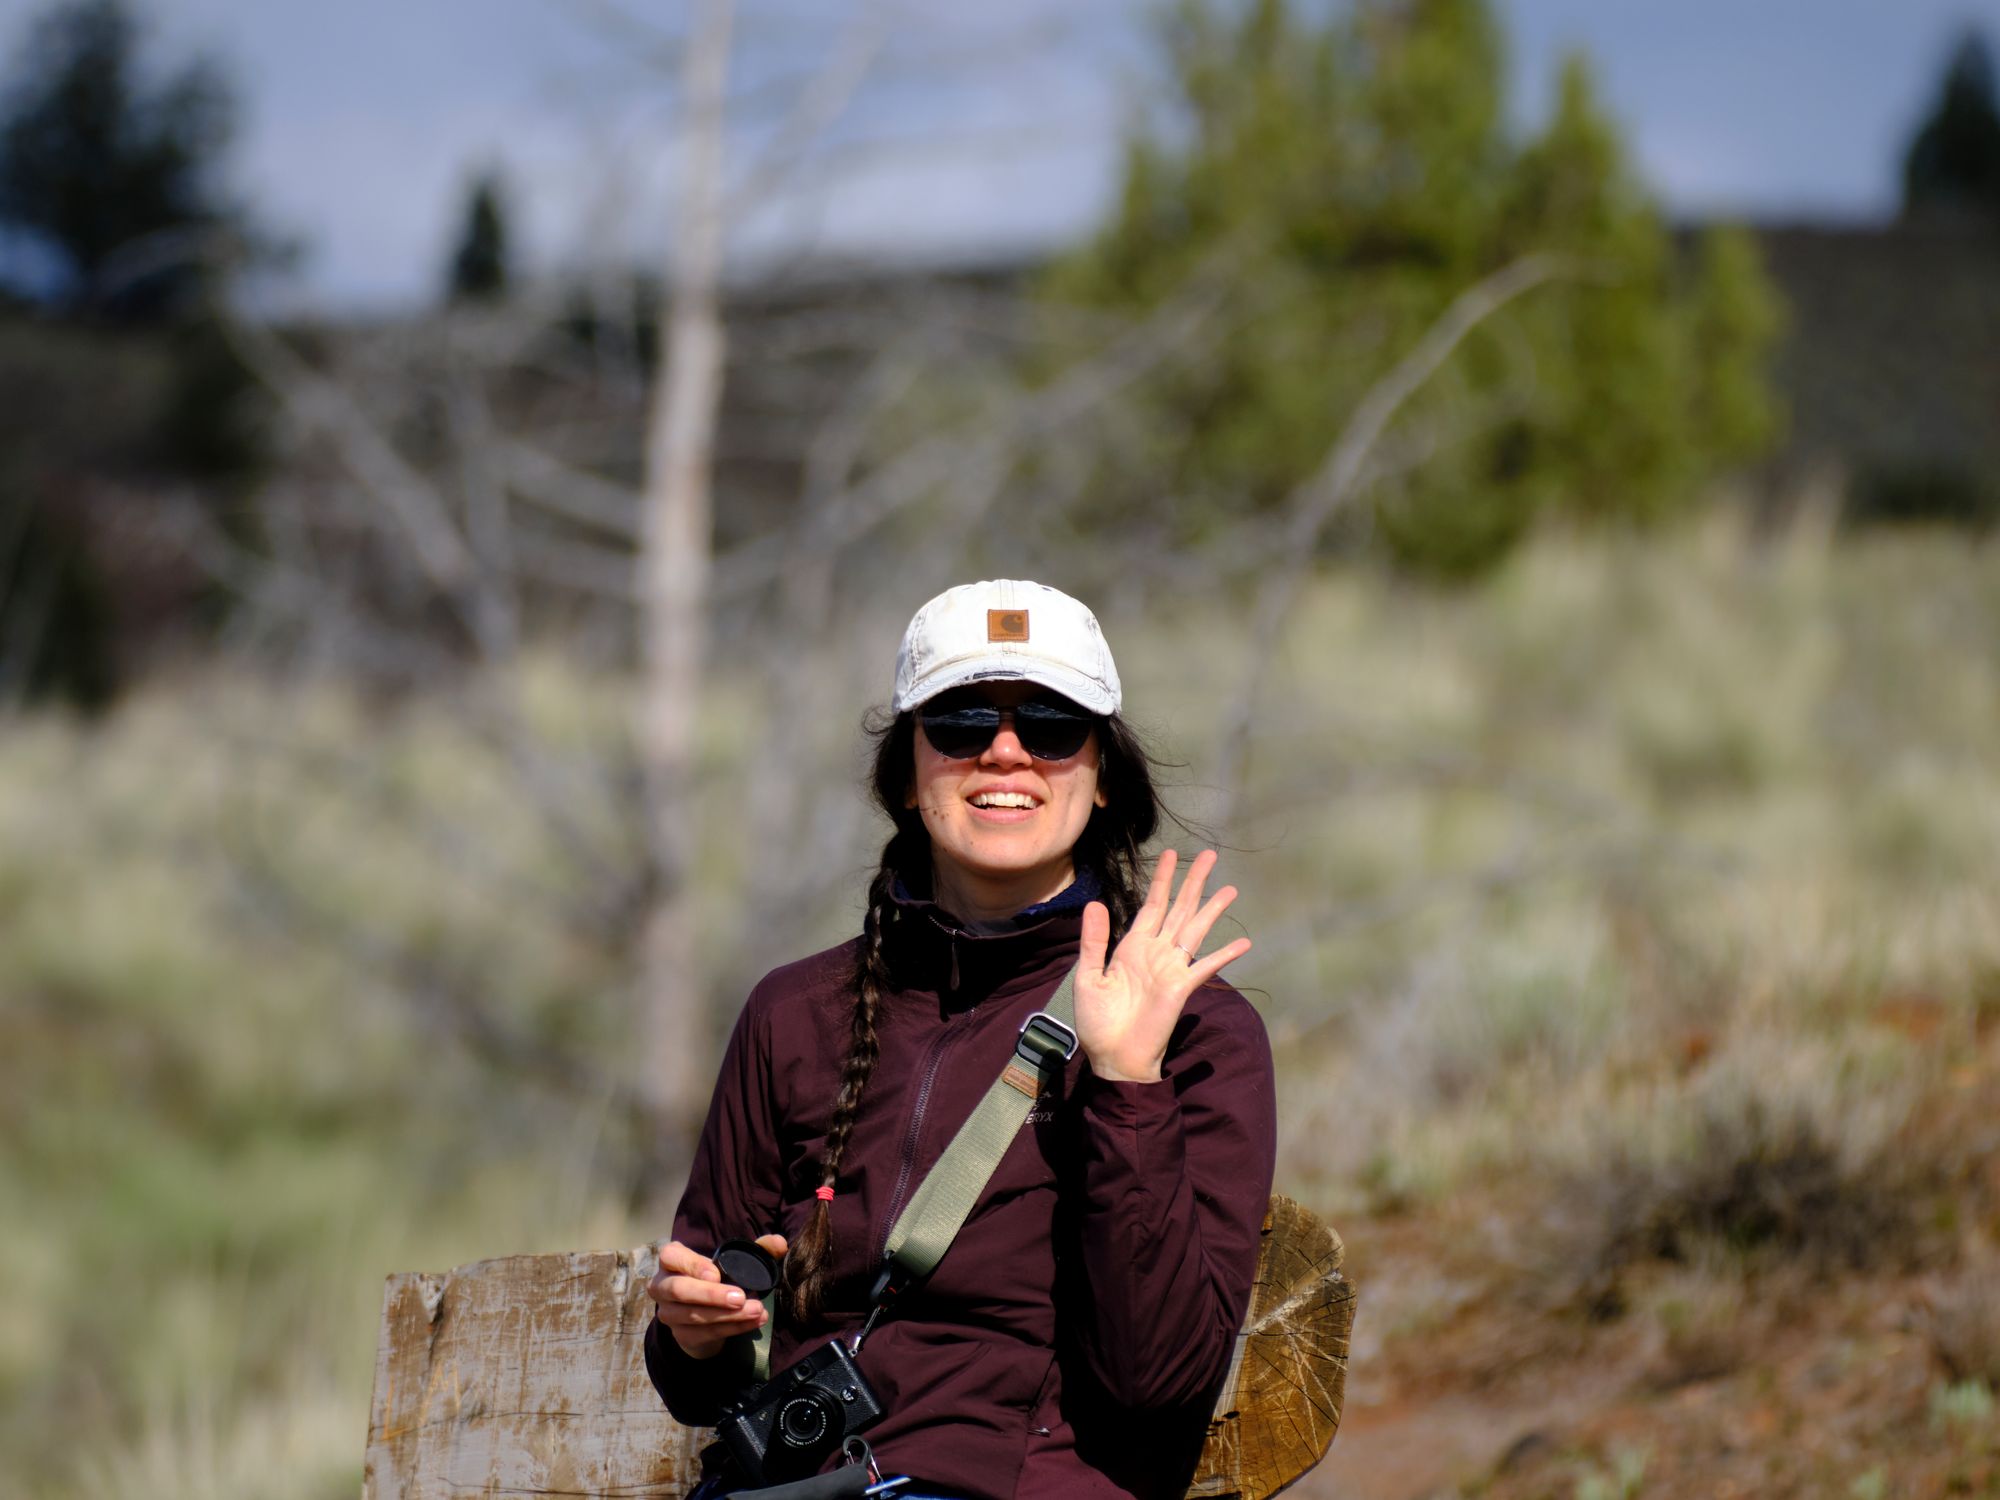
[(1816, 1407), (1472, 1376)]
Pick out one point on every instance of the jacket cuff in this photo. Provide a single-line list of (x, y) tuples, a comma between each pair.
[(1118, 1101), (696, 1389)]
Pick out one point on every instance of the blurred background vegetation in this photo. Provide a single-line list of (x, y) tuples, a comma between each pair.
[(1581, 625)]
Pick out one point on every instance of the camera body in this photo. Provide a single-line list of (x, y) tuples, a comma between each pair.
[(785, 1428)]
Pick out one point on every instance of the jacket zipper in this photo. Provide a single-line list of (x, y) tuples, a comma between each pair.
[(909, 1163)]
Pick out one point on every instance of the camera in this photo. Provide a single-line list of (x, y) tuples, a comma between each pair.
[(785, 1428)]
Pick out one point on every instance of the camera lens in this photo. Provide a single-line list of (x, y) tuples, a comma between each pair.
[(806, 1421)]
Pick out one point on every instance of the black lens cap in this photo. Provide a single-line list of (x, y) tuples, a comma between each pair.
[(746, 1264)]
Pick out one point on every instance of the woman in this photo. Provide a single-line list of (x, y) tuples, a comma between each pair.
[(1073, 1338)]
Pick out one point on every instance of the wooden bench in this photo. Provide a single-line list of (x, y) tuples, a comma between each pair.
[(524, 1377)]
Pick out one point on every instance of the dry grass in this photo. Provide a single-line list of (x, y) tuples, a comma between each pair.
[(1706, 1317), (1965, 1323)]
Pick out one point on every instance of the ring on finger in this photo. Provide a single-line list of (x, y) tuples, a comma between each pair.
[(1183, 953)]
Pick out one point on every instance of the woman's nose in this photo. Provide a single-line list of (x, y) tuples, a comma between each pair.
[(1005, 747)]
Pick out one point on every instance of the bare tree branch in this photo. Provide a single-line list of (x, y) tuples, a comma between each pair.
[(486, 517), (823, 100), (408, 495), (1334, 483), (562, 489), (972, 456)]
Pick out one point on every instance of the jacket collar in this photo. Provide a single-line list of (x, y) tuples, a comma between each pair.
[(930, 948)]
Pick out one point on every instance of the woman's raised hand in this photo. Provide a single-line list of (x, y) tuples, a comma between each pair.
[(701, 1312), (1126, 1007)]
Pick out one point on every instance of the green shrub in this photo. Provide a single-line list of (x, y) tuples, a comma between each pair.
[(1351, 177)]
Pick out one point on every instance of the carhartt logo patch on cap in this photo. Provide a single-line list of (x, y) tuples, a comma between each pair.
[(1006, 624)]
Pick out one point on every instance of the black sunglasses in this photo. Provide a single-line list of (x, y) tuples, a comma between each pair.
[(960, 725)]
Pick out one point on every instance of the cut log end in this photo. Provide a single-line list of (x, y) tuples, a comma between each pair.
[(1282, 1399)]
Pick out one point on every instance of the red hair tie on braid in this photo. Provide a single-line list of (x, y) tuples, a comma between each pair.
[(824, 1194)]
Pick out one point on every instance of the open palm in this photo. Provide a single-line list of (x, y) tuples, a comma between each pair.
[(1126, 1006)]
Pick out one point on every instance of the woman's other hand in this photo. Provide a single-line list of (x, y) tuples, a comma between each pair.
[(1126, 1007), (699, 1310)]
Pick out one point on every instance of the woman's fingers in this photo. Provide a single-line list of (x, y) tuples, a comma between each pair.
[(1207, 968), (691, 1298), (1153, 910), (693, 1292), (715, 1309), (690, 1290), (1096, 937), (720, 1319), (1189, 899), (1194, 931), (677, 1259)]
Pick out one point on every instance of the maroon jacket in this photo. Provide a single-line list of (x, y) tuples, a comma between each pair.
[(1072, 1340)]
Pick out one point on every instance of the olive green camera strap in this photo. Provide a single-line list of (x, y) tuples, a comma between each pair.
[(760, 1343), (944, 1199)]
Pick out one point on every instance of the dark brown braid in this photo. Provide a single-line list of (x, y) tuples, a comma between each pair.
[(806, 1257), (1109, 847)]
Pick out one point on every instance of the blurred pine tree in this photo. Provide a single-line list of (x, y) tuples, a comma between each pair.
[(113, 206), (1952, 168), (479, 266), (1360, 174), (1734, 318), (113, 177)]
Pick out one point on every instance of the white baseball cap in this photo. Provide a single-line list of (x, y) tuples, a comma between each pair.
[(1006, 629)]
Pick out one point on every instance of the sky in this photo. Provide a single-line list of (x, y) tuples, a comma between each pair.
[(972, 136)]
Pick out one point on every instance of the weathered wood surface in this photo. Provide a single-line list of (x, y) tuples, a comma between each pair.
[(1281, 1407), (521, 1377), (525, 1377)]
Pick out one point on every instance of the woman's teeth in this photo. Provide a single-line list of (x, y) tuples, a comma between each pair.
[(1003, 799)]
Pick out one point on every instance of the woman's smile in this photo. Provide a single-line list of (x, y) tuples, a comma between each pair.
[(1004, 804)]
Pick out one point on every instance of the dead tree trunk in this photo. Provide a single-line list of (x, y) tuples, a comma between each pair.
[(673, 581)]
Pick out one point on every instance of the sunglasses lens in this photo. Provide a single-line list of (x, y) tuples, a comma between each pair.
[(962, 727), (1051, 730), (959, 730)]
